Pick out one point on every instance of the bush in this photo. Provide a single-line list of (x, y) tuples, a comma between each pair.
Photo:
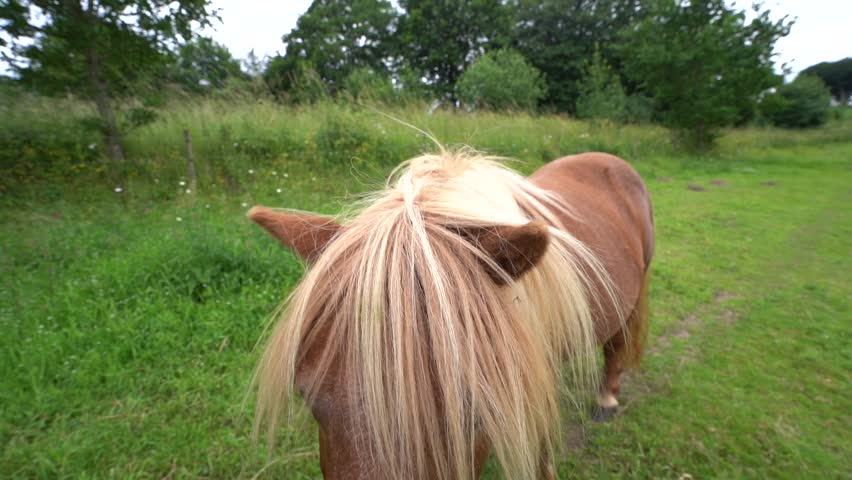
[(601, 95), (365, 84), (803, 103), (638, 108), (501, 80), (45, 139)]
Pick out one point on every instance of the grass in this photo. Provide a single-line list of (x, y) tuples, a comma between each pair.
[(129, 321)]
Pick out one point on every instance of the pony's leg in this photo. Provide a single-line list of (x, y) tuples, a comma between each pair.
[(622, 351), (614, 356)]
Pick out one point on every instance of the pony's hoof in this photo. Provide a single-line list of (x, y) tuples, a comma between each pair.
[(603, 414)]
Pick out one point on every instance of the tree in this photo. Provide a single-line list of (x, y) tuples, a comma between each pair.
[(253, 65), (203, 64), (501, 80), (601, 93), (559, 36), (335, 38), (837, 77), (439, 39), (803, 103), (95, 48), (702, 63)]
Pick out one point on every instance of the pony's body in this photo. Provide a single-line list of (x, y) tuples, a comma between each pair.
[(617, 223), (613, 218), (431, 328)]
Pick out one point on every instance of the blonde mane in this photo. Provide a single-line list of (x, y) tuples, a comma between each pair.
[(439, 352)]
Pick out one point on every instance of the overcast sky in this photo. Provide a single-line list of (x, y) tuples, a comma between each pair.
[(822, 31)]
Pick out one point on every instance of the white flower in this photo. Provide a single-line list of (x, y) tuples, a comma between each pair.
[(244, 204), (286, 175), (584, 135), (251, 172), (313, 179), (178, 219), (92, 146), (181, 183), (207, 206), (274, 173), (188, 191), (236, 144), (278, 190), (118, 189)]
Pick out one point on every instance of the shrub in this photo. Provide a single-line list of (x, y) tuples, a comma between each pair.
[(365, 84), (601, 95), (501, 80), (638, 108), (803, 103)]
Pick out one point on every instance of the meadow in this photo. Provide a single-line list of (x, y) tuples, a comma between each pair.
[(131, 308)]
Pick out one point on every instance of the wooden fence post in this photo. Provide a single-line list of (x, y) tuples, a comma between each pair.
[(190, 162)]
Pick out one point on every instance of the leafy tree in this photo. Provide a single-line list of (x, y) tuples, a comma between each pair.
[(702, 63), (836, 75), (95, 48), (335, 38), (803, 103), (203, 64), (439, 39), (253, 65), (296, 81), (501, 80), (601, 93), (559, 36)]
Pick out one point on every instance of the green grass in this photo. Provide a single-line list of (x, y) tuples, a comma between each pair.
[(128, 337)]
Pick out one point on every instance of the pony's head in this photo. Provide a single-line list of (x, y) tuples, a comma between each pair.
[(431, 328)]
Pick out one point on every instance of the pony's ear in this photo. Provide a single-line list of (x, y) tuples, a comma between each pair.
[(305, 234), (516, 249)]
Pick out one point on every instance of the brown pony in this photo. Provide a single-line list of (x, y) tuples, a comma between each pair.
[(438, 324)]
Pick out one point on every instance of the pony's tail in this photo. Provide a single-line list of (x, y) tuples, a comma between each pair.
[(637, 327)]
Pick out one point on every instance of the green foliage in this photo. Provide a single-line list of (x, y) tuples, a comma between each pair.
[(56, 45), (253, 65), (803, 103), (601, 93), (702, 63), (336, 37), (44, 140), (366, 84), (296, 81), (97, 50), (203, 65), (602, 96), (837, 77), (559, 36), (439, 40), (501, 80)]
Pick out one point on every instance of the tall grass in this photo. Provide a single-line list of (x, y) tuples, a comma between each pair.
[(237, 137)]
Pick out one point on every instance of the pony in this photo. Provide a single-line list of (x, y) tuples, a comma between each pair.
[(439, 324)]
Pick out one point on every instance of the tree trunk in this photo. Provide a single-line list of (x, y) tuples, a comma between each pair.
[(99, 88), (100, 94), (190, 162)]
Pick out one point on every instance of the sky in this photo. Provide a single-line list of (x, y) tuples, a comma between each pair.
[(821, 33)]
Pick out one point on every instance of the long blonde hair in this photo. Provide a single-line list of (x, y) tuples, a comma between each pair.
[(438, 350)]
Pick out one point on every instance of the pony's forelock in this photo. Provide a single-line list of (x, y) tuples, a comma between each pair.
[(436, 352)]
